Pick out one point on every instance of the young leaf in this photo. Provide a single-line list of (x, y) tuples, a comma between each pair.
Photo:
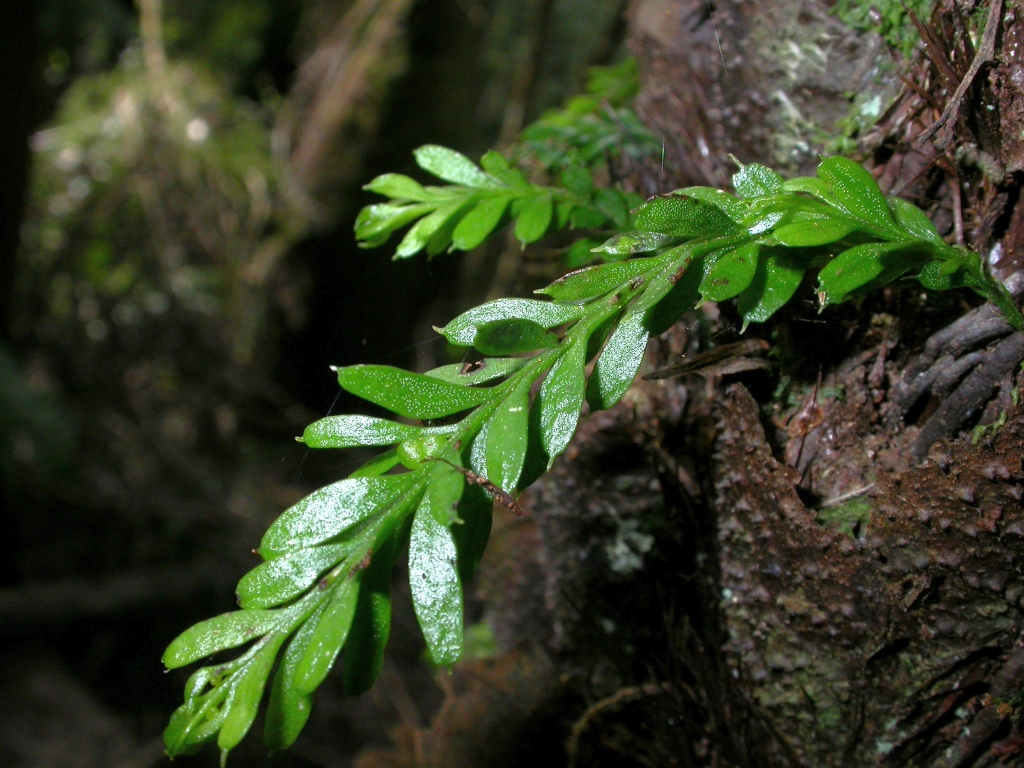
[(424, 231), (435, 586), (229, 630), (811, 233), (244, 701), (479, 222), (408, 394), (398, 187), (286, 577), (477, 373), (731, 274), (857, 191), (534, 219), (506, 438), (560, 400), (451, 166), (348, 431), (937, 276), (376, 222), (683, 217), (512, 337), (754, 180), (328, 637), (327, 512), (592, 282), (289, 708), (462, 330), (777, 277)]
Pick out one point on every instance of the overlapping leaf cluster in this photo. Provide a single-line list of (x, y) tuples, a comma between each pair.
[(324, 588)]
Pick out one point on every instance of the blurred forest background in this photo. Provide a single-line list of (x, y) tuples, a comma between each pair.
[(177, 272)]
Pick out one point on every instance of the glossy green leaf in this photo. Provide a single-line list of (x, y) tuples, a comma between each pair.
[(754, 180), (371, 625), (731, 206), (421, 234), (279, 580), (469, 374), (462, 330), (591, 282), (229, 630), (451, 166), (534, 219), (731, 274), (506, 438), (328, 637), (348, 431), (244, 701), (683, 217), (863, 265), (811, 233), (915, 221), (475, 509), (560, 400), (479, 222), (856, 191), (419, 451), (778, 276), (435, 586), (444, 489), (634, 242), (327, 512), (399, 187), (376, 222), (288, 708), (810, 185), (408, 394), (512, 337), (619, 361), (943, 275)]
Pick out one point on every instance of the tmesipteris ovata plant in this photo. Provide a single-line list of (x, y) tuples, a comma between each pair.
[(323, 590)]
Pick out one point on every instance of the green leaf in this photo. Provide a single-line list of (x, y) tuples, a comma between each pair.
[(327, 512), (289, 708), (376, 222), (475, 509), (463, 329), (497, 166), (229, 630), (423, 232), (867, 264), (328, 637), (944, 275), (451, 166), (577, 179), (560, 400), (416, 453), (583, 217), (619, 361), (408, 394), (244, 701), (728, 204), (479, 222), (512, 337), (349, 431), (634, 242), (286, 577), (683, 217), (856, 191), (378, 465), (435, 586), (731, 274), (398, 187), (915, 221), (613, 205), (534, 218), (754, 180), (371, 625), (506, 438), (811, 233), (810, 185), (778, 276), (489, 369), (444, 489), (592, 282), (581, 252)]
